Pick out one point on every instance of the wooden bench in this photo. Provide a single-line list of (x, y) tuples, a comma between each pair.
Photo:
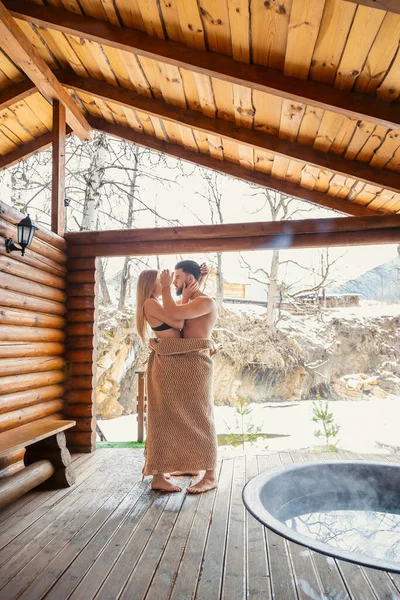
[(33, 454)]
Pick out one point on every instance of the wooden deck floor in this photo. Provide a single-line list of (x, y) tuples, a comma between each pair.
[(111, 537)]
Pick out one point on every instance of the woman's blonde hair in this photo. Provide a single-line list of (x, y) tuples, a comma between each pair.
[(145, 286)]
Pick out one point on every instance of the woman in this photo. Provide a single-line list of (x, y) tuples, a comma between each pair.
[(149, 311)]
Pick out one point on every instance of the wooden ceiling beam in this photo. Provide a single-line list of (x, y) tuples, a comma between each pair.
[(236, 230), (230, 131), (26, 150), (19, 49), (16, 92), (388, 5), (272, 81), (233, 170), (173, 246)]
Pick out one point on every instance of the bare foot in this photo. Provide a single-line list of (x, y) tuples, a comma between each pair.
[(204, 485), (160, 483), (181, 473)]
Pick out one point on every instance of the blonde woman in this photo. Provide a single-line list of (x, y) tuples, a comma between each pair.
[(150, 312)]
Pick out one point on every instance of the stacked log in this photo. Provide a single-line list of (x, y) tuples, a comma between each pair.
[(32, 329), (81, 353)]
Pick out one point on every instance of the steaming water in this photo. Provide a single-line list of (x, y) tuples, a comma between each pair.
[(371, 533)]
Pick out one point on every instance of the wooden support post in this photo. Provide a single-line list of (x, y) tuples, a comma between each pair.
[(140, 404), (58, 174)]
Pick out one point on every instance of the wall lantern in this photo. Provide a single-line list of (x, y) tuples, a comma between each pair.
[(26, 230)]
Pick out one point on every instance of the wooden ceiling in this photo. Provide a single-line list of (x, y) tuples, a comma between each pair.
[(299, 95)]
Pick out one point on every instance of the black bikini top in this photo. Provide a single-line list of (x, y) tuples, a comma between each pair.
[(162, 327)]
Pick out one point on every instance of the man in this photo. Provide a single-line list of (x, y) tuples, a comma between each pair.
[(180, 382)]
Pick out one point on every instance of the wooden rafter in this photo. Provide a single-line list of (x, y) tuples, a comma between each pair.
[(272, 81), (233, 170), (26, 150), (15, 93), (232, 132), (388, 5), (20, 50)]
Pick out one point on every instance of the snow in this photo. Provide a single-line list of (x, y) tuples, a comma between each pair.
[(362, 423)]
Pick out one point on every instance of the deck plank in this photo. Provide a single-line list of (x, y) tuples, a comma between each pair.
[(110, 553), (282, 576), (356, 581), (191, 561), (124, 517), (111, 537), (210, 581), (22, 529), (142, 575), (29, 568), (234, 583), (164, 578), (30, 501), (258, 575), (124, 565)]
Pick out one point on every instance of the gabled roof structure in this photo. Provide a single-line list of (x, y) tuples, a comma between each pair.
[(300, 96)]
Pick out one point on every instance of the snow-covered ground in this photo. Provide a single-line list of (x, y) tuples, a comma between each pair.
[(362, 424)]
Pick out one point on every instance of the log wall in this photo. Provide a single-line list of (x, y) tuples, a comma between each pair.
[(81, 353), (32, 326)]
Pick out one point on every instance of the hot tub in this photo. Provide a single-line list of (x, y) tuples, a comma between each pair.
[(349, 509)]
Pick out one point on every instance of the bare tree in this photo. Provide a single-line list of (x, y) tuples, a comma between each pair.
[(213, 195), (277, 207)]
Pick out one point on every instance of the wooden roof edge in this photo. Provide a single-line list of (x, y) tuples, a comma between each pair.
[(234, 170), (387, 179), (272, 81), (21, 51)]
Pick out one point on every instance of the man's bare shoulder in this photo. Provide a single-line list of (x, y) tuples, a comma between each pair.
[(204, 298)]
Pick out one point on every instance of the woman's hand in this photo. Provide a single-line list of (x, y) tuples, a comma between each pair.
[(165, 278), (188, 291), (204, 270)]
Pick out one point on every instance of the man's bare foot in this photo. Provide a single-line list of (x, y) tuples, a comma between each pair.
[(208, 482), (160, 483), (181, 473)]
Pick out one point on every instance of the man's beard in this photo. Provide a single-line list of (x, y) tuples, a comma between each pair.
[(178, 291)]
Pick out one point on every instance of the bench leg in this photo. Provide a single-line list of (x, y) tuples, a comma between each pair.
[(55, 450)]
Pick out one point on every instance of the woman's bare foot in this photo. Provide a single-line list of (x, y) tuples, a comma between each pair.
[(181, 473), (208, 482), (160, 483)]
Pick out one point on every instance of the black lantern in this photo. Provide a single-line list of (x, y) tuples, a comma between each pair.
[(26, 230)]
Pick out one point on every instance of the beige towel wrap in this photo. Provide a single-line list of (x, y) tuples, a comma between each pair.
[(180, 426)]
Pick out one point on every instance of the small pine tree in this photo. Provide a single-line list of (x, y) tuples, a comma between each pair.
[(323, 417), (248, 432)]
